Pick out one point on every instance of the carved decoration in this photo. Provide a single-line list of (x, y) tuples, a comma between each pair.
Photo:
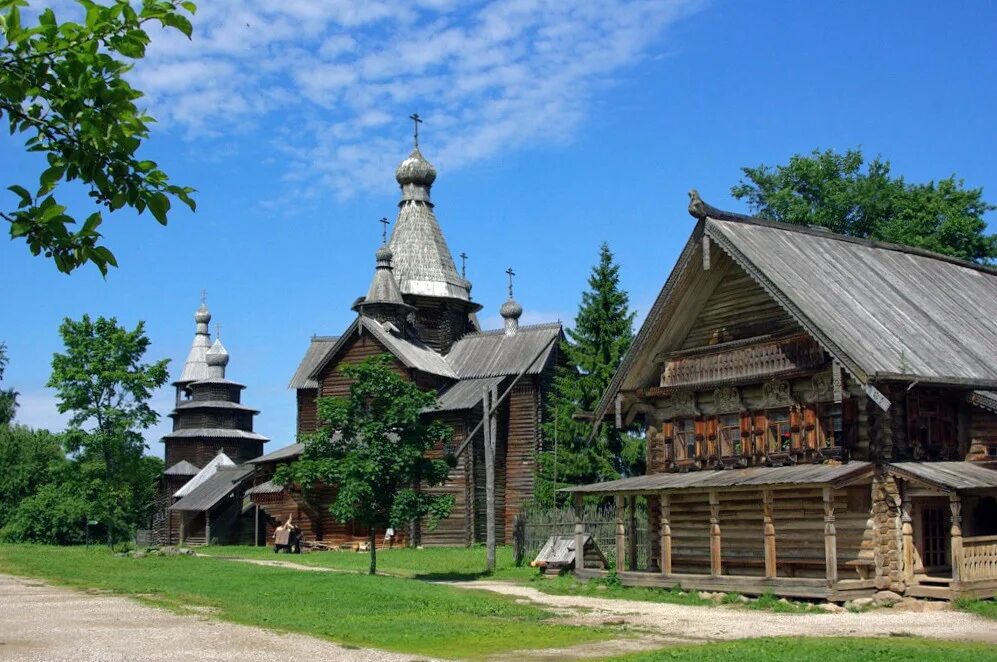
[(822, 388), (679, 403), (727, 400), (777, 393)]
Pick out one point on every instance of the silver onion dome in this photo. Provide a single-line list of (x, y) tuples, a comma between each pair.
[(416, 170)]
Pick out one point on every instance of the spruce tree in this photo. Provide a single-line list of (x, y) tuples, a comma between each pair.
[(593, 350)]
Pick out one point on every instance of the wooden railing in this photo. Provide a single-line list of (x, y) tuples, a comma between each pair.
[(979, 558)]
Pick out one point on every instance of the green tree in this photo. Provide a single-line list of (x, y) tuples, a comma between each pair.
[(844, 194), (372, 446), (63, 84), (8, 397), (601, 336), (104, 385), (30, 459)]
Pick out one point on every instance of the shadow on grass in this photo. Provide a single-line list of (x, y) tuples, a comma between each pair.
[(466, 576)]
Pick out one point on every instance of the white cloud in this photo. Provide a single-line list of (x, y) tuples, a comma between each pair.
[(332, 80)]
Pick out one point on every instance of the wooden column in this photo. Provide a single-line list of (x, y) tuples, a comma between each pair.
[(489, 445), (207, 527), (632, 530), (769, 530), (830, 537), (715, 566), (955, 505), (579, 532), (666, 533), (621, 534), (256, 526), (907, 530), (183, 528)]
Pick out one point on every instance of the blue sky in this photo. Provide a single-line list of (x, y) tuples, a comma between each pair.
[(553, 125)]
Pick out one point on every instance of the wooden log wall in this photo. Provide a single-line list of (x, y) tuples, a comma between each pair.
[(307, 410), (206, 418), (798, 520), (454, 529), (521, 449), (200, 452), (334, 383), (983, 434)]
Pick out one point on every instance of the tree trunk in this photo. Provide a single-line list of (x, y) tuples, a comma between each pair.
[(372, 536)]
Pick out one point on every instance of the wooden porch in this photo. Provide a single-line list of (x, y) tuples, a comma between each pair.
[(753, 536)]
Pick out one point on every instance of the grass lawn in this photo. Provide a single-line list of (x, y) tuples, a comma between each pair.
[(985, 608), (460, 563), (441, 563), (382, 612), (831, 649)]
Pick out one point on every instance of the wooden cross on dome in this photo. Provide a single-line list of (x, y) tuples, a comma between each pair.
[(463, 264), (384, 231), (204, 296), (218, 330), (417, 120), (511, 274)]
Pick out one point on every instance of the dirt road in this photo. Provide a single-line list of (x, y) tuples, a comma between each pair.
[(42, 622)]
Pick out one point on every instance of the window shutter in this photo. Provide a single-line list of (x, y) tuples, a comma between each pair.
[(810, 426), (700, 427), (761, 425), (746, 420), (796, 427), (668, 436), (712, 437)]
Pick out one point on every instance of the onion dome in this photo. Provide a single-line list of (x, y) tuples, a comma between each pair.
[(511, 311), (383, 296), (216, 358), (415, 170), (195, 367), (202, 316)]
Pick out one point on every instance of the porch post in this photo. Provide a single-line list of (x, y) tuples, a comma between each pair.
[(207, 527), (830, 536), (666, 533), (955, 505), (579, 532), (907, 530), (621, 534), (769, 531), (183, 528), (632, 530), (715, 566)]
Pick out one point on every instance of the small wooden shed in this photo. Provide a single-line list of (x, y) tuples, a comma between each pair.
[(558, 553)]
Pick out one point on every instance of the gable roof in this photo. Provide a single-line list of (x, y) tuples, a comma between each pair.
[(493, 353), (209, 470), (412, 352), (883, 311), (218, 486), (317, 349), (182, 468), (285, 453)]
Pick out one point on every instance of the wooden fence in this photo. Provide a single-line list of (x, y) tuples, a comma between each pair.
[(533, 526)]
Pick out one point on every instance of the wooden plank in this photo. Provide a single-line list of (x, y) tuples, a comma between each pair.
[(769, 534)]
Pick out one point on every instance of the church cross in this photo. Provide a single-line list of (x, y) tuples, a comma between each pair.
[(511, 274), (218, 330), (463, 264), (204, 296), (384, 231), (417, 120)]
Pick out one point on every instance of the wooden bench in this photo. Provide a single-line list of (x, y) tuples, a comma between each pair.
[(862, 566)]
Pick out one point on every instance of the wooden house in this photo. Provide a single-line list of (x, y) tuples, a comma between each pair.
[(820, 415), (419, 310)]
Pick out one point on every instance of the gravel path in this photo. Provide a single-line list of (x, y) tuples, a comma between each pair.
[(42, 622), (698, 624)]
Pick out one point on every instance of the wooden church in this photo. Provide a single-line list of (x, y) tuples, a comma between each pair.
[(419, 310), (821, 418)]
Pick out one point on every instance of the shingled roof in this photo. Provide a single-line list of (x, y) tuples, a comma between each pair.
[(317, 349), (495, 353), (885, 312), (214, 489)]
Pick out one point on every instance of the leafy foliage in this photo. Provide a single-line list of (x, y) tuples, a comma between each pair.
[(8, 397), (372, 446), (30, 459), (63, 84), (102, 382), (594, 348), (832, 190)]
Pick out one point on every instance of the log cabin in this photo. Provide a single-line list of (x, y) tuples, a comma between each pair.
[(820, 414), (419, 310)]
